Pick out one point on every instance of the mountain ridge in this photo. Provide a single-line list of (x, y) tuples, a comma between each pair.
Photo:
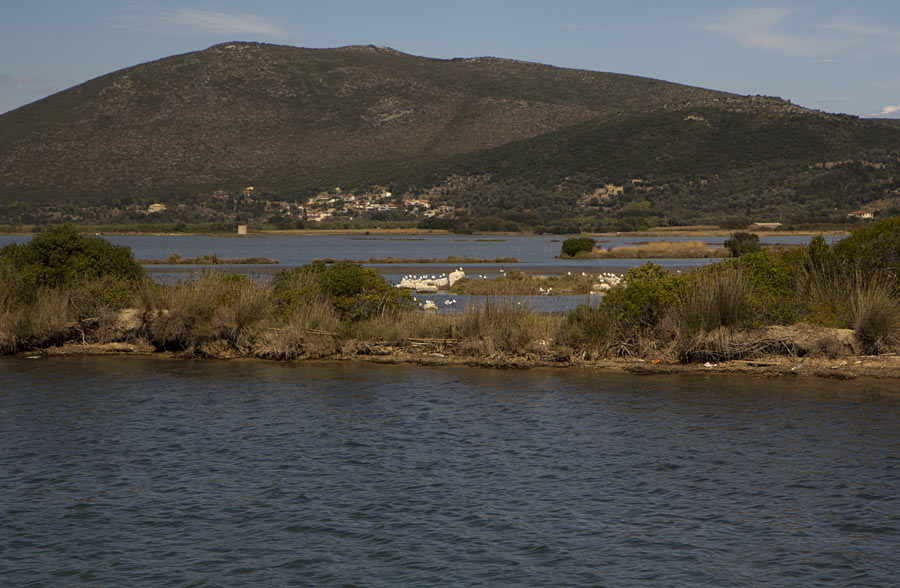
[(185, 117), (531, 141)]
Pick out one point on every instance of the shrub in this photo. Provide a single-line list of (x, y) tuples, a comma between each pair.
[(648, 293), (874, 248), (575, 245), (741, 243), (773, 275), (61, 256), (96, 272), (356, 292)]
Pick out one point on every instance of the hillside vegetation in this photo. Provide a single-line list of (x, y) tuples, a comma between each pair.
[(505, 145), (245, 113)]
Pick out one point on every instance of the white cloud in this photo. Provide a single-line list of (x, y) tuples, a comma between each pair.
[(798, 33), (187, 21), (889, 111), (763, 28)]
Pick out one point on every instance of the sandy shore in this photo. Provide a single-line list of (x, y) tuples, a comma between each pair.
[(842, 368)]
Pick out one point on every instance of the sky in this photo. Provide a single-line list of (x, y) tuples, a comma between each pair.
[(836, 56)]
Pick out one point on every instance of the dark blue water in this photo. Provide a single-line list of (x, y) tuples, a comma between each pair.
[(133, 472), (293, 250)]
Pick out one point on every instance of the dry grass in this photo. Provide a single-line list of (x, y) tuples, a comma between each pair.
[(716, 298), (875, 311), (824, 289), (660, 250), (592, 329), (247, 307), (725, 344), (311, 330), (208, 259), (47, 320), (491, 327), (209, 306), (398, 329)]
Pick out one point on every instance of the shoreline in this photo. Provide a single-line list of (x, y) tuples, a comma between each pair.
[(848, 367), (655, 232)]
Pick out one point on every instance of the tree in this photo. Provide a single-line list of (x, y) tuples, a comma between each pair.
[(95, 272), (61, 256), (571, 247), (741, 243)]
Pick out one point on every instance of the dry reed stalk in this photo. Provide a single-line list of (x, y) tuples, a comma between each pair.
[(661, 249), (725, 344), (875, 314)]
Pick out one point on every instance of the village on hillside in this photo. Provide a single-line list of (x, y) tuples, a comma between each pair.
[(249, 204)]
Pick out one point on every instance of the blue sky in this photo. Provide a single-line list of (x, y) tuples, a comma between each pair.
[(829, 55)]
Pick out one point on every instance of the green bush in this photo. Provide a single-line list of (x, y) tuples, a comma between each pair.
[(873, 248), (774, 276), (61, 256), (575, 245), (94, 271), (356, 292), (741, 243), (649, 292)]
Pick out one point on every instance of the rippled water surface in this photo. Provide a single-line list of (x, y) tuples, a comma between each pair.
[(134, 472), (292, 250)]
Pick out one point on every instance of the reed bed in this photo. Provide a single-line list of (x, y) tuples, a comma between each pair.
[(518, 283), (717, 297), (208, 259), (658, 250), (452, 259)]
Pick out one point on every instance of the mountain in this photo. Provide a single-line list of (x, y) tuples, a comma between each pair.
[(529, 141), (245, 113)]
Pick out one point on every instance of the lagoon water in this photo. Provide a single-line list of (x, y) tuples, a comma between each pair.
[(294, 250), (144, 472)]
